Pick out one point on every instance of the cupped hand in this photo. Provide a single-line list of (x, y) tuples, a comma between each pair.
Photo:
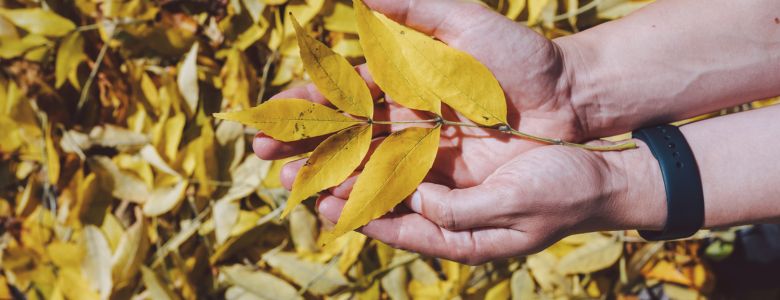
[(529, 67), (477, 169), (526, 205)]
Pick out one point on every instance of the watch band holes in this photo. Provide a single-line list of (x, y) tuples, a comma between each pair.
[(679, 165), (675, 154), (672, 145), (666, 137)]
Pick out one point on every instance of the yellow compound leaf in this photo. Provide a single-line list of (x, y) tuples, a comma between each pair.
[(388, 65), (330, 164), (290, 120), (334, 76), (39, 21), (596, 255), (453, 76), (395, 170)]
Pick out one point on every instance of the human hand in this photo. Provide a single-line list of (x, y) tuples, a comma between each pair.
[(529, 67), (526, 205)]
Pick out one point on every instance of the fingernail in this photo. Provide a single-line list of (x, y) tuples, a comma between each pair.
[(416, 202)]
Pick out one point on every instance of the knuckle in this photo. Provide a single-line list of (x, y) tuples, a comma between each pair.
[(444, 216)]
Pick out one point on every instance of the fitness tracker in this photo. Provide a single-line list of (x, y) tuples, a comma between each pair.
[(684, 195)]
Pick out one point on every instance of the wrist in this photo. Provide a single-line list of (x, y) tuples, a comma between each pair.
[(638, 197), (589, 89)]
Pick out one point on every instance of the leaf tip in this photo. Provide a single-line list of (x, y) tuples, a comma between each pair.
[(220, 116)]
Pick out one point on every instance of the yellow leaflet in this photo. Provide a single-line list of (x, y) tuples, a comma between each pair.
[(39, 21), (52, 159), (187, 79), (12, 140), (522, 285), (69, 55), (334, 76), (541, 11), (389, 66), (330, 164), (515, 8), (499, 291), (454, 76), (395, 170), (290, 120)]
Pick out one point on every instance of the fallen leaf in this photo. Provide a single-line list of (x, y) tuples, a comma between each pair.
[(187, 79), (39, 21), (597, 254), (165, 199), (320, 279), (69, 55), (261, 284), (96, 265)]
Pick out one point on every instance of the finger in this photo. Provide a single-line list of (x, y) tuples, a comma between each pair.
[(461, 209), (413, 232), (267, 148), (447, 20)]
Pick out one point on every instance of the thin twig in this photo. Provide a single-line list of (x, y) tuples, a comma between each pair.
[(505, 128), (93, 73)]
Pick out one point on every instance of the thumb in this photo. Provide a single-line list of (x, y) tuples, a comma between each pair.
[(456, 209), (447, 20)]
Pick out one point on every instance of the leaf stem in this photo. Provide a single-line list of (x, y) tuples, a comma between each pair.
[(431, 121), (509, 130)]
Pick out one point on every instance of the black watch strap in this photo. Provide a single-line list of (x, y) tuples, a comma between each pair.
[(684, 195)]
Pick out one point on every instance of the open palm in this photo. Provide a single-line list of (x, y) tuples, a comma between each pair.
[(529, 68)]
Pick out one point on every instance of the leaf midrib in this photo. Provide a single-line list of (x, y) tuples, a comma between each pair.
[(395, 169), (330, 79), (458, 87)]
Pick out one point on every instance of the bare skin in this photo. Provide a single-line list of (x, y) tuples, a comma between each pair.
[(491, 196)]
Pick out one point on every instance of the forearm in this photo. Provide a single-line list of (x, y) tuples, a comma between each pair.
[(673, 60), (738, 161)]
